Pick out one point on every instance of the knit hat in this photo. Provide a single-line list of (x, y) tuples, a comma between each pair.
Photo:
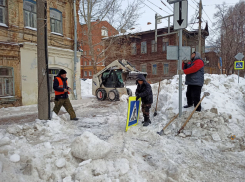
[(62, 72)]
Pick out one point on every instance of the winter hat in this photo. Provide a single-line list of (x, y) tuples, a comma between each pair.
[(62, 72)]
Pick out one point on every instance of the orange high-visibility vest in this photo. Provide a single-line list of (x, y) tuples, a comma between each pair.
[(60, 86)]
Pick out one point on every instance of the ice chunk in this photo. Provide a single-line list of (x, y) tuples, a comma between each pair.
[(60, 163), (15, 158), (89, 146)]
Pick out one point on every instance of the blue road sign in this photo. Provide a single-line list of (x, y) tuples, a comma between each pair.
[(239, 65)]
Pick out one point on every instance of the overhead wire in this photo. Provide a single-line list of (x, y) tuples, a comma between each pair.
[(157, 6)]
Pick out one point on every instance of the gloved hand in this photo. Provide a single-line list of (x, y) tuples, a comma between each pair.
[(181, 72), (185, 61), (137, 96)]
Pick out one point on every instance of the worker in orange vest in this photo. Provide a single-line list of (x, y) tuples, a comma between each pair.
[(61, 95)]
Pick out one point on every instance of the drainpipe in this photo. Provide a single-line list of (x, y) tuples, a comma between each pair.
[(75, 50)]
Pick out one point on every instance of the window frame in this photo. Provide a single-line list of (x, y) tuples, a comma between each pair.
[(90, 73), (4, 10), (133, 48), (85, 63), (164, 71), (104, 32), (152, 66), (165, 44), (3, 82), (31, 21), (56, 20), (144, 47), (153, 46), (142, 66), (85, 73)]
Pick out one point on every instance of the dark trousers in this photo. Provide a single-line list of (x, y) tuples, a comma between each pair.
[(146, 110), (67, 105), (193, 95)]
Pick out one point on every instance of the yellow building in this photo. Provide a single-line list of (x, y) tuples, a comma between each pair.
[(18, 50)]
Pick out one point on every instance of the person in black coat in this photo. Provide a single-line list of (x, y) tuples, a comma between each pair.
[(144, 92)]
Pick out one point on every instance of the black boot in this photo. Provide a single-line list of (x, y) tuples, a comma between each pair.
[(75, 119), (147, 122), (187, 106)]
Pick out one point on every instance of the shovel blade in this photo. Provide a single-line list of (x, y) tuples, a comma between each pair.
[(160, 133), (155, 113)]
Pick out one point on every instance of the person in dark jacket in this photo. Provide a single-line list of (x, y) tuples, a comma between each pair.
[(144, 92), (61, 95), (194, 71)]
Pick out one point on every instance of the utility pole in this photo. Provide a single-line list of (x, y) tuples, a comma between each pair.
[(75, 50), (42, 59), (200, 28)]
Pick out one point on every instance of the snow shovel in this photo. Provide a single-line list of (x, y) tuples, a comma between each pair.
[(155, 113), (205, 94), (161, 132)]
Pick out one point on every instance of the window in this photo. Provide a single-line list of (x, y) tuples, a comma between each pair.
[(165, 69), (85, 73), (164, 44), (90, 63), (154, 69), (2, 11), (6, 81), (90, 73), (85, 63), (153, 46), (52, 73), (143, 68), (133, 49), (85, 53), (56, 21), (143, 47), (30, 13), (193, 49), (104, 32)]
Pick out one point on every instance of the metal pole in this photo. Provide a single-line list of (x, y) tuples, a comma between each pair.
[(75, 50), (238, 76), (155, 28), (180, 76)]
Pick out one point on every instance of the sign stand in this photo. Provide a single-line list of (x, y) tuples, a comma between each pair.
[(239, 65)]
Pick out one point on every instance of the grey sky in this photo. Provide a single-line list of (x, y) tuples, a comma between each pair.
[(148, 15)]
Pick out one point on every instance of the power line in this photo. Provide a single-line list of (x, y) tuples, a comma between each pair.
[(157, 6), (166, 5)]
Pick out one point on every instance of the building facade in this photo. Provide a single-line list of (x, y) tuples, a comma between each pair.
[(147, 56), (18, 52), (92, 61)]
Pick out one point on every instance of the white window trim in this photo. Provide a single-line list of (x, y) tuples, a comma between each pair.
[(152, 68), (56, 20), (164, 68), (90, 73), (30, 12), (85, 73), (4, 7)]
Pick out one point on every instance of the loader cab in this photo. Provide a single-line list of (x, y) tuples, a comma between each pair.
[(113, 79)]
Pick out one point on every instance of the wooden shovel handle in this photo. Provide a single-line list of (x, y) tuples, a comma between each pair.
[(205, 94), (171, 121)]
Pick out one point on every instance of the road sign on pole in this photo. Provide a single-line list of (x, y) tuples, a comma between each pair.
[(174, 1), (239, 56), (173, 53), (180, 15)]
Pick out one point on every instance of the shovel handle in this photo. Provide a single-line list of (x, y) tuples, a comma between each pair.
[(158, 94), (205, 94), (171, 121)]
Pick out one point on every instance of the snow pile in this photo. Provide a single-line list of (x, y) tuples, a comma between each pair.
[(86, 88), (89, 146), (97, 149)]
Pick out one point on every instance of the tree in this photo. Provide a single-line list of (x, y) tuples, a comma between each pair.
[(122, 14), (230, 23)]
